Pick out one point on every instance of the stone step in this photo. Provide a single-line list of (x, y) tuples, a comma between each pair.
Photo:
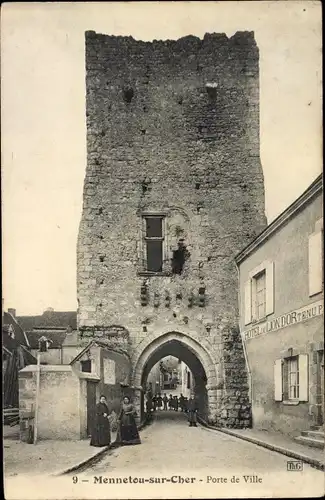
[(309, 441), (316, 428), (314, 434)]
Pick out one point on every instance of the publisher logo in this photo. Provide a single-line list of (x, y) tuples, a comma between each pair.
[(294, 465)]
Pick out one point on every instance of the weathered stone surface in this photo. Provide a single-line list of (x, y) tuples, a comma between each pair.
[(172, 128)]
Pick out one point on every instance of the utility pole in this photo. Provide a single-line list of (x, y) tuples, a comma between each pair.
[(38, 379), (43, 345)]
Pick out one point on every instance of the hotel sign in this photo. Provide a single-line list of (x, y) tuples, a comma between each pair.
[(289, 319)]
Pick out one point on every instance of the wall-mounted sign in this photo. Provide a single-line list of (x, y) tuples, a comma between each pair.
[(109, 371), (289, 319)]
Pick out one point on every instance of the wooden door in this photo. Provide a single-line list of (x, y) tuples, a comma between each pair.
[(91, 405)]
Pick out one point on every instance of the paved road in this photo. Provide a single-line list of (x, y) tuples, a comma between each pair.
[(169, 444)]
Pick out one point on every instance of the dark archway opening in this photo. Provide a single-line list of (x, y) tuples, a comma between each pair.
[(195, 376)]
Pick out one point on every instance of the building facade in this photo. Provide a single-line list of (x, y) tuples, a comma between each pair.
[(68, 393), (281, 304), (173, 190)]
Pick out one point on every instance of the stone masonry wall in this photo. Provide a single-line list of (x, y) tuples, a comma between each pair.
[(172, 128)]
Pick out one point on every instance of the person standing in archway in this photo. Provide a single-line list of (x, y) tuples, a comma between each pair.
[(165, 401), (192, 409), (128, 432), (159, 402), (182, 402)]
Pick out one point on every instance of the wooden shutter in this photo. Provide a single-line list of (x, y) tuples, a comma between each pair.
[(303, 368), (248, 301), (278, 380), (315, 263), (269, 292)]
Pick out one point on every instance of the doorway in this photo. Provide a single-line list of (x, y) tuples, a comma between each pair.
[(320, 387), (91, 405)]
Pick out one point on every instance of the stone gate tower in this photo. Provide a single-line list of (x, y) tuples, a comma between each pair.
[(173, 190)]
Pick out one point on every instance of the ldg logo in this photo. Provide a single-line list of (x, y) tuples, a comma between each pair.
[(294, 465)]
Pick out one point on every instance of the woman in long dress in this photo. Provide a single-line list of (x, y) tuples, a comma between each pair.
[(128, 432), (101, 431)]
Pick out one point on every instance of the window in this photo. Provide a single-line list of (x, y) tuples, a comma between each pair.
[(291, 378), (153, 243), (188, 380), (291, 382), (259, 293), (86, 365), (315, 259)]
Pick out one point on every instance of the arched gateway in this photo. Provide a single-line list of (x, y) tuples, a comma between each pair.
[(186, 348), (174, 189)]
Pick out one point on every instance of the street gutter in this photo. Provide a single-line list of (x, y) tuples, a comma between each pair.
[(317, 464)]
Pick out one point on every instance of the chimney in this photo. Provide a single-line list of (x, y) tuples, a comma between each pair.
[(12, 312)]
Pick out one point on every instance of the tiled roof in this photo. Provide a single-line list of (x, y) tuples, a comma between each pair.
[(10, 323), (57, 338), (59, 319), (11, 344)]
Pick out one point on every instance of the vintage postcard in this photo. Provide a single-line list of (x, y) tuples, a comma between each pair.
[(162, 320)]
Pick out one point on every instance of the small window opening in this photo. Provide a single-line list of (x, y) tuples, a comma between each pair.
[(86, 365), (197, 185), (143, 131), (100, 211), (145, 186), (179, 257), (101, 258), (128, 94), (211, 89)]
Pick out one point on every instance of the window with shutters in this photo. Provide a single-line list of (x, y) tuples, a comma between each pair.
[(153, 244), (291, 379), (259, 293)]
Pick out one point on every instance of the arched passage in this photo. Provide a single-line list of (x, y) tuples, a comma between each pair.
[(185, 348)]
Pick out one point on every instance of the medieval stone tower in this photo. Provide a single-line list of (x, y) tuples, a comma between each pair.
[(173, 190)]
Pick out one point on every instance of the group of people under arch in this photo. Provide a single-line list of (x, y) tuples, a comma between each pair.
[(173, 403)]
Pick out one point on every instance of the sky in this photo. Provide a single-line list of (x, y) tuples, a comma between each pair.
[(44, 130)]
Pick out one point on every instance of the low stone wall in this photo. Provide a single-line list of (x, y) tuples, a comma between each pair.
[(58, 411)]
